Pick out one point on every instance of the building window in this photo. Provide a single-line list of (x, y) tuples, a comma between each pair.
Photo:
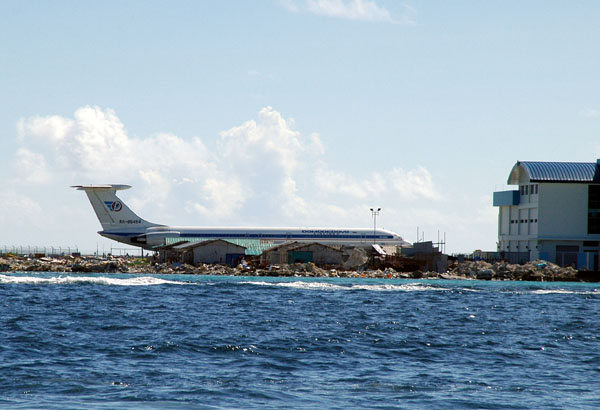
[(522, 189), (526, 189), (594, 209), (536, 189)]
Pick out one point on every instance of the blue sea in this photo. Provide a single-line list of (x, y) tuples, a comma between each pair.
[(205, 342)]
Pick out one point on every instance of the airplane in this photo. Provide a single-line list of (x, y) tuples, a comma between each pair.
[(121, 224)]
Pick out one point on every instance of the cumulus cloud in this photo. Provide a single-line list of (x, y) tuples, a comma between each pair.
[(352, 10), (262, 172), (87, 143), (405, 185), (31, 167), (413, 184), (270, 138), (363, 10)]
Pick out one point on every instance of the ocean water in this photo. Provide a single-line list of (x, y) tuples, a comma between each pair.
[(136, 341)]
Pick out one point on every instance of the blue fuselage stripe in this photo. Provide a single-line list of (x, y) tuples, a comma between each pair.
[(257, 235)]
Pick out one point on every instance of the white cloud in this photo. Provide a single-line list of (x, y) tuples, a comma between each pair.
[(226, 195), (290, 5), (17, 207), (591, 113), (53, 127), (269, 142), (316, 145), (413, 184), (93, 142), (31, 167), (404, 185), (332, 182), (262, 172), (363, 10), (351, 10)]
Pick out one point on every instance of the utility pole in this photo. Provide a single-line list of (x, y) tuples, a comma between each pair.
[(375, 213)]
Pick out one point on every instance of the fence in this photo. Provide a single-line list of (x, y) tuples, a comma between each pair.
[(39, 250), (579, 260), (517, 258), (26, 250)]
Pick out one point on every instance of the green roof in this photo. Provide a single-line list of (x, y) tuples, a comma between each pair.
[(254, 247)]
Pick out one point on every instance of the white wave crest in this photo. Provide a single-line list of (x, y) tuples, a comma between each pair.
[(564, 292), (409, 287), (100, 280), (298, 284)]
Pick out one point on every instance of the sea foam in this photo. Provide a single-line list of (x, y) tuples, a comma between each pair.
[(564, 292), (100, 280), (409, 287)]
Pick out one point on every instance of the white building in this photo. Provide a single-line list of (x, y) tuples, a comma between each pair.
[(554, 214)]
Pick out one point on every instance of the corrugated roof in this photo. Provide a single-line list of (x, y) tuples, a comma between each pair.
[(555, 172)]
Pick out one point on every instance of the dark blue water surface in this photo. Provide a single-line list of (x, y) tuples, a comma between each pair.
[(126, 341)]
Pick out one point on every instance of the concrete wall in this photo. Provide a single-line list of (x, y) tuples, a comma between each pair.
[(563, 210), (277, 255), (215, 252), (518, 225), (321, 254)]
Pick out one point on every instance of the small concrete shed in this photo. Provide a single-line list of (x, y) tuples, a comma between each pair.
[(170, 253), (296, 252), (215, 251), (278, 254)]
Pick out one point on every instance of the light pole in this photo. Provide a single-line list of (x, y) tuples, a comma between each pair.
[(375, 213)]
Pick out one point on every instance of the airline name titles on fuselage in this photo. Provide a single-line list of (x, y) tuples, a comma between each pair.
[(325, 231)]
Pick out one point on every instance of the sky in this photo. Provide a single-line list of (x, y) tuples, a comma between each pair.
[(288, 112)]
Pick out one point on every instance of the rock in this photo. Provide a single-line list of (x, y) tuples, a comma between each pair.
[(357, 259), (448, 276), (485, 274), (416, 274), (533, 271), (533, 276), (80, 268)]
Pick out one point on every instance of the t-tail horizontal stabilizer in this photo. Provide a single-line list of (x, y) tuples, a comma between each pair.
[(112, 213)]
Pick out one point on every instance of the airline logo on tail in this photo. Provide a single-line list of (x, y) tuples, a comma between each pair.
[(114, 206)]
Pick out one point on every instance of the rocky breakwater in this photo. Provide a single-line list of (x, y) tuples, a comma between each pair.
[(533, 271), (64, 264)]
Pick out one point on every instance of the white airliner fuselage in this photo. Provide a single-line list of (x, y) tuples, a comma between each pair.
[(123, 225)]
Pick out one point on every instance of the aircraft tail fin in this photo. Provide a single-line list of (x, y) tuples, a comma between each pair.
[(110, 210)]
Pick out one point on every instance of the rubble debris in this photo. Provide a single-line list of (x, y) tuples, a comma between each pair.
[(358, 258)]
